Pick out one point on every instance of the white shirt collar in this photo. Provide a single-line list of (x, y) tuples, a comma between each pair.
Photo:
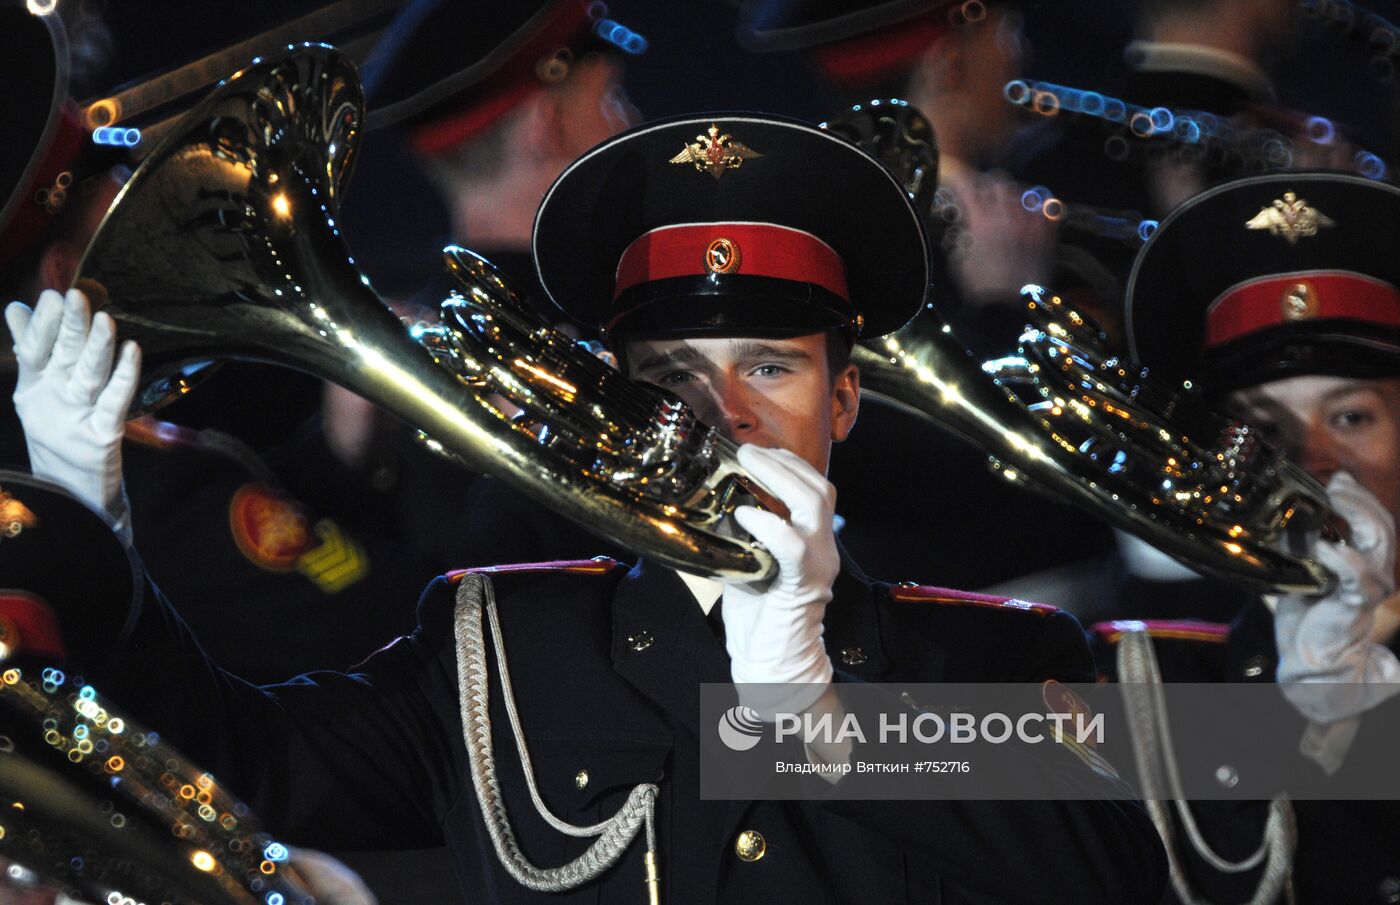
[(705, 590)]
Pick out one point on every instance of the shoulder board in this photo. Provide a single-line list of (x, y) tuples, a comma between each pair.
[(1170, 629), (600, 565), (908, 592)]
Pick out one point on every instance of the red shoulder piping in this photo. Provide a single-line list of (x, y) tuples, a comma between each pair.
[(907, 592), (1171, 629), (601, 565)]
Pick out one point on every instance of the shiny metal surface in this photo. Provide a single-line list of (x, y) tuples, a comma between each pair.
[(899, 136), (1071, 418), (586, 441), (224, 244), (100, 805)]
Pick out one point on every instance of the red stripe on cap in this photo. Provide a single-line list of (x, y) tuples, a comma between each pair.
[(30, 219), (865, 59), (1263, 303), (482, 104), (763, 249), (28, 626)]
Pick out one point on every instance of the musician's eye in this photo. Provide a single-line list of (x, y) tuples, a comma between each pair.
[(769, 370), (673, 378), (1353, 418)]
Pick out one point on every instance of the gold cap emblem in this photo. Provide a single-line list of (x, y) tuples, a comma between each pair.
[(722, 256), (714, 153), (1290, 217), (1299, 302)]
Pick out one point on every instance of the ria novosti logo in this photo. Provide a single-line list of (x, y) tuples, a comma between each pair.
[(740, 728)]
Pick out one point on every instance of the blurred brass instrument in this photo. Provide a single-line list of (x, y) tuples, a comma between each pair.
[(224, 244), (1068, 416), (101, 805), (1127, 226), (1260, 138), (1378, 35)]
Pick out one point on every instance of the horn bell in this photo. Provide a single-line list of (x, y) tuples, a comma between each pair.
[(225, 244)]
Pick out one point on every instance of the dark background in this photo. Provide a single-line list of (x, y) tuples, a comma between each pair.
[(695, 63)]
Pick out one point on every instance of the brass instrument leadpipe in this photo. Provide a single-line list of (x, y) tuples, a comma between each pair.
[(1194, 134)]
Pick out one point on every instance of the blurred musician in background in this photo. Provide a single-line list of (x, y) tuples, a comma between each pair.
[(1275, 298), (1112, 180)]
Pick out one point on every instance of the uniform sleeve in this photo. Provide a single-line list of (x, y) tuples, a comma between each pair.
[(335, 760)]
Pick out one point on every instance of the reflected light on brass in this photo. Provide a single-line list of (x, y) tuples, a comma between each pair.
[(1068, 416), (224, 244)]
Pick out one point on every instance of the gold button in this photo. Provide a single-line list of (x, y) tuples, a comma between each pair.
[(853, 656), (640, 641), (581, 779), (750, 846)]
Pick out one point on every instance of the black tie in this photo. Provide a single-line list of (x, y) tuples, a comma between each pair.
[(715, 617)]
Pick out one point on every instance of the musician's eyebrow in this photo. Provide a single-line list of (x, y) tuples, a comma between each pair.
[(1349, 388), (740, 350), (750, 349), (670, 358)]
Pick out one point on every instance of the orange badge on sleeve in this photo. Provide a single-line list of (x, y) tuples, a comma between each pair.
[(269, 528)]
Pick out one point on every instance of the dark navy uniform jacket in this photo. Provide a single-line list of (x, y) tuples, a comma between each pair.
[(376, 757), (1348, 851)]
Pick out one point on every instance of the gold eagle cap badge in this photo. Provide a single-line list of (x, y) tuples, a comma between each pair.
[(1290, 217), (714, 153)]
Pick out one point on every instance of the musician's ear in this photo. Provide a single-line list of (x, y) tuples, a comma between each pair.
[(586, 108), (845, 401), (541, 132), (58, 264), (940, 68)]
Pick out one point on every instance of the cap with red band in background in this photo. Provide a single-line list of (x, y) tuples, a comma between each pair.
[(46, 149), (448, 70), (736, 224), (858, 44), (1269, 277), (57, 557)]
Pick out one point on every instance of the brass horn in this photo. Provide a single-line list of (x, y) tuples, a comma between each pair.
[(100, 804), (1067, 415), (225, 244)]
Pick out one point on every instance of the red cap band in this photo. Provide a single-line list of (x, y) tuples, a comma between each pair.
[(28, 626), (878, 55), (481, 105), (31, 218), (1290, 298), (752, 249)]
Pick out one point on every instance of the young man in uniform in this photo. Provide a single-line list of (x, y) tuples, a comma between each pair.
[(1276, 298), (733, 259)]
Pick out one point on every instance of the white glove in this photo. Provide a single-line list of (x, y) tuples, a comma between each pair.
[(329, 880), (774, 633), (70, 401), (1329, 667)]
